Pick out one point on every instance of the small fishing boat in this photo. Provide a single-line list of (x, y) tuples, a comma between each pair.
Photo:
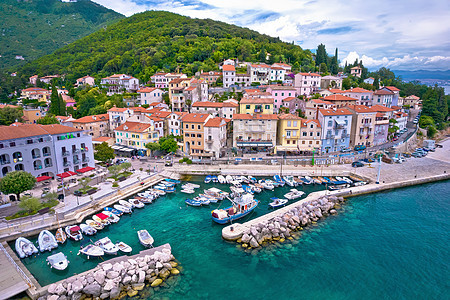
[(252, 179), (203, 200), (94, 224), (221, 179), (114, 211), (175, 181), (47, 241), (241, 207), (190, 186), (111, 217), (305, 181), (208, 179), (255, 188), (229, 179), (74, 232), (359, 183), (298, 181), (266, 184), (145, 238), (215, 192), (247, 189), (279, 180), (193, 202), (25, 248), (58, 261), (166, 183), (146, 200), (91, 250), (124, 247), (60, 236), (236, 191), (136, 203), (289, 181), (214, 179), (170, 189), (159, 192), (276, 202), (126, 204), (338, 187), (123, 209), (294, 194), (87, 230), (101, 218), (187, 191), (107, 246)]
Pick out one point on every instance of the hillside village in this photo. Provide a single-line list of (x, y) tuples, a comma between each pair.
[(279, 112)]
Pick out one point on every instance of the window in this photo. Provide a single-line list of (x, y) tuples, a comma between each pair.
[(318, 134), (247, 107), (186, 134), (187, 126), (193, 135), (199, 143), (288, 133), (288, 142), (330, 123), (193, 126), (289, 123), (295, 123), (199, 135), (198, 127), (267, 106), (310, 134)]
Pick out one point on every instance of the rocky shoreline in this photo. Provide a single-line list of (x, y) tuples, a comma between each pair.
[(282, 227), (117, 280)]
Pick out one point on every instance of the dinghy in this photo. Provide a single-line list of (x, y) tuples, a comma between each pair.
[(114, 211), (203, 200), (190, 186), (186, 191), (58, 261), (252, 179), (124, 247), (126, 204), (136, 203), (193, 202), (146, 200), (107, 246), (214, 179), (289, 181), (208, 179), (111, 217), (74, 232), (276, 202), (95, 225), (91, 250), (145, 238), (60, 236), (25, 248), (124, 209), (229, 179), (294, 194), (101, 218), (159, 192), (221, 179), (47, 241), (87, 230)]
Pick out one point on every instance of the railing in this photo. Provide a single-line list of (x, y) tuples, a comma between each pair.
[(76, 151), (47, 154), (7, 162), (66, 153), (48, 165), (36, 156), (339, 126), (86, 159), (66, 164), (77, 161), (38, 168), (19, 270), (84, 150), (209, 141), (367, 124), (330, 136), (258, 110)]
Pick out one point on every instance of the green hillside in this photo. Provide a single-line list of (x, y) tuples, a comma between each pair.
[(147, 42), (33, 28)]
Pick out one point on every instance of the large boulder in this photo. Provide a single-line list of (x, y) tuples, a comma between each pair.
[(109, 285), (246, 238), (99, 276), (77, 286), (114, 293), (60, 289), (118, 268), (254, 231), (254, 243), (141, 277), (104, 295), (51, 288), (126, 280), (107, 267), (112, 274), (52, 297), (93, 289), (157, 282)]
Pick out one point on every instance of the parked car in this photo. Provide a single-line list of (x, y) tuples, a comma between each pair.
[(168, 163), (439, 146), (359, 147), (395, 138), (417, 154), (343, 150), (357, 164)]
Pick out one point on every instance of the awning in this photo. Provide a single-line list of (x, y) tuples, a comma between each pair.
[(85, 169), (340, 122), (116, 147), (43, 178), (66, 174), (102, 216), (75, 228)]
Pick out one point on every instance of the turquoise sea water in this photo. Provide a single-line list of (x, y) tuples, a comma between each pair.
[(390, 245)]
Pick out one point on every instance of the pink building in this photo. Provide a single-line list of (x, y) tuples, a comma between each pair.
[(279, 93)]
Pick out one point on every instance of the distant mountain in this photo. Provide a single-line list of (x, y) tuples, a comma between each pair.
[(33, 28), (422, 74), (150, 41)]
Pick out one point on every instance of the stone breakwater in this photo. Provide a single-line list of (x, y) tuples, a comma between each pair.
[(282, 227), (117, 278)]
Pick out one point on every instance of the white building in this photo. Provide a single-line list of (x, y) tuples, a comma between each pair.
[(215, 136), (149, 95), (119, 83), (277, 73), (307, 83), (382, 97), (229, 75), (216, 109), (364, 96), (86, 80), (259, 73), (336, 128), (44, 150)]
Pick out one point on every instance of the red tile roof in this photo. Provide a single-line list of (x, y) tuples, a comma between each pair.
[(383, 92), (392, 88), (289, 99), (133, 127), (195, 118), (146, 89), (216, 122), (288, 117), (336, 91), (255, 117), (29, 130), (320, 101), (228, 68), (92, 119), (207, 104), (118, 109), (332, 112), (305, 122), (102, 139), (381, 108), (256, 101), (310, 74), (357, 90), (337, 97)]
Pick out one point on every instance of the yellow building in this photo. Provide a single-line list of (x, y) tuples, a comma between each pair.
[(256, 106), (36, 94), (136, 135), (297, 135), (193, 134)]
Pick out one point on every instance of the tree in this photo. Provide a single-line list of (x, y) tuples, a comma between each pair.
[(426, 121), (169, 144), (103, 152), (54, 102), (166, 98), (84, 182), (334, 66), (346, 83), (17, 182), (283, 110), (300, 113), (48, 119), (125, 166), (321, 55), (262, 55), (9, 115), (431, 131), (153, 147), (114, 170), (323, 68), (31, 204)]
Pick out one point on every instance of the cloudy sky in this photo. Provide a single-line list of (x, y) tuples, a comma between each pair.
[(399, 34)]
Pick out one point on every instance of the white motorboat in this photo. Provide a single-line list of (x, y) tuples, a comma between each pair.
[(215, 192), (252, 179), (289, 180), (91, 250), (190, 186), (159, 192), (58, 261), (145, 238), (186, 191), (221, 179), (123, 209), (276, 202), (229, 179), (136, 203), (126, 204), (87, 230), (74, 232), (101, 218), (294, 194), (255, 188), (236, 183), (25, 248), (146, 200), (107, 246), (113, 218), (267, 185), (95, 225), (124, 247), (47, 241)]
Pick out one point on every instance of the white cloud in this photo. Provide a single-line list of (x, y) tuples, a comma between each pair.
[(409, 34)]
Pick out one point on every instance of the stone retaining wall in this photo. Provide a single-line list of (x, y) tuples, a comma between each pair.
[(117, 277)]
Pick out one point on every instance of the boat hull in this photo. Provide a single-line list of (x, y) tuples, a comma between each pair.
[(233, 217)]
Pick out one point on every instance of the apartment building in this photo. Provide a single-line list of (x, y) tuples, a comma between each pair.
[(336, 128), (95, 125), (363, 125), (307, 83), (216, 109), (119, 83), (193, 134), (256, 106), (215, 136), (254, 132)]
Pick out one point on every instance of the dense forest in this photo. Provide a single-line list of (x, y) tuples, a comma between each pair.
[(155, 40), (33, 28)]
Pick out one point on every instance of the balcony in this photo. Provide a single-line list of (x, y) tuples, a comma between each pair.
[(209, 141), (76, 161), (46, 154), (48, 165), (256, 129), (344, 136), (339, 126), (367, 125), (330, 136), (36, 156), (66, 164), (66, 153), (86, 159), (258, 110), (37, 168), (5, 162), (76, 151)]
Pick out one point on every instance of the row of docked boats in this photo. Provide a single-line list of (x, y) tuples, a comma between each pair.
[(212, 195)]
